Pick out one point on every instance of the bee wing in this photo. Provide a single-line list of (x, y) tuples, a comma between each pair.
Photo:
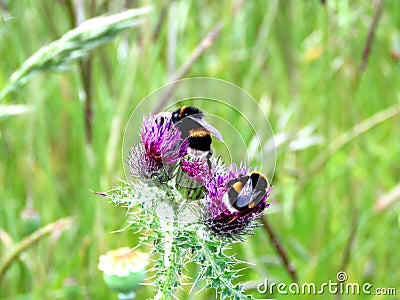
[(245, 195), (208, 127)]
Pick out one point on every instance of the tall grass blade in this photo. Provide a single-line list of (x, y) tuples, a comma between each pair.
[(73, 45)]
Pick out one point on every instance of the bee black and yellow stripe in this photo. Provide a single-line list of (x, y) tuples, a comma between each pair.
[(200, 139)]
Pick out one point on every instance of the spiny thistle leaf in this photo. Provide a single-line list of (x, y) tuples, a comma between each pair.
[(73, 45), (217, 268)]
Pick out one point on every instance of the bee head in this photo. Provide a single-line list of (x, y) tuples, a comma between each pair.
[(186, 111)]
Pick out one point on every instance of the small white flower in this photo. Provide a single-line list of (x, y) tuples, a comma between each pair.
[(123, 261)]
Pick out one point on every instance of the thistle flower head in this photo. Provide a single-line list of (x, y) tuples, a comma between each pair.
[(160, 144), (161, 139), (198, 169), (220, 216)]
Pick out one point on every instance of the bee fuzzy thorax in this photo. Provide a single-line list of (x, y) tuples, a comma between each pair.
[(189, 118), (186, 111)]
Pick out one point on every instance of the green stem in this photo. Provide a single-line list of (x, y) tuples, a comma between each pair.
[(168, 280)]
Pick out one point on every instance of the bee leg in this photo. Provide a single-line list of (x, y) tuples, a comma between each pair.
[(209, 155)]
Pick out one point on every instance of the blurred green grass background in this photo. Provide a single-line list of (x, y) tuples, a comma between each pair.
[(301, 61)]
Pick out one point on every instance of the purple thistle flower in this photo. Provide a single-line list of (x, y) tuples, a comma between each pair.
[(160, 145), (220, 216), (197, 169)]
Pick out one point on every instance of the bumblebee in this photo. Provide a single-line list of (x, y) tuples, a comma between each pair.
[(186, 111), (247, 191), (189, 118)]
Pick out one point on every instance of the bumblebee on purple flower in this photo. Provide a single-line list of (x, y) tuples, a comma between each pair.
[(179, 143)]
